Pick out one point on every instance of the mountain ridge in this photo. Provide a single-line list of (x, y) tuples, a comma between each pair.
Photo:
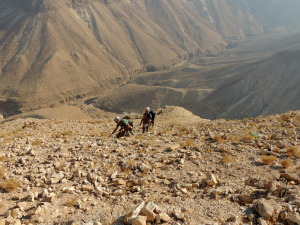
[(58, 51)]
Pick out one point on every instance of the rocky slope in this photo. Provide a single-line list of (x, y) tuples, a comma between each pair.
[(194, 171)]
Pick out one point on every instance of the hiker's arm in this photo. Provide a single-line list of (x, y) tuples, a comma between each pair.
[(142, 119), (115, 130)]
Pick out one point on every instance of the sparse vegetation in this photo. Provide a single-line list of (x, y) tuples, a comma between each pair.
[(117, 171), (219, 139), (57, 135), (248, 137), (189, 143), (72, 202), (3, 158), (268, 159), (2, 172), (227, 158), (9, 185), (286, 163), (36, 142), (67, 133), (294, 151)]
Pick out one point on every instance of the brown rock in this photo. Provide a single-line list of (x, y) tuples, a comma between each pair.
[(164, 217), (149, 214), (140, 220)]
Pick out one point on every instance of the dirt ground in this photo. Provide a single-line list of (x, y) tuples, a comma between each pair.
[(58, 171)]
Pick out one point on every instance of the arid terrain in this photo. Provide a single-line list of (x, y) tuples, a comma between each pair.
[(187, 170), (259, 77), (64, 52), (222, 75)]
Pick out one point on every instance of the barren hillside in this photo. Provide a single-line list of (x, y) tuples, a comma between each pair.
[(185, 171), (57, 51), (232, 87)]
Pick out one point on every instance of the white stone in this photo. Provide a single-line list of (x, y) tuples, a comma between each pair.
[(56, 178), (211, 180), (294, 218)]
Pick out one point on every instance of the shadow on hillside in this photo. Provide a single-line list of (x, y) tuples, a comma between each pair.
[(34, 116), (119, 221)]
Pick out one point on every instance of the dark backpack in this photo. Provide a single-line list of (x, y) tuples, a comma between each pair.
[(152, 113)]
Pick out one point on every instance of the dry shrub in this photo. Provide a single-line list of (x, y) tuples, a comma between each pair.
[(245, 120), (227, 158), (3, 158), (276, 149), (102, 134), (286, 118), (219, 139), (132, 162), (57, 135), (3, 135), (248, 137), (94, 121), (9, 185), (36, 142), (140, 137), (94, 133), (166, 132), (8, 139), (72, 202), (189, 143), (86, 149), (233, 138), (2, 172), (294, 151), (286, 163), (268, 159), (126, 170), (67, 133), (143, 174)]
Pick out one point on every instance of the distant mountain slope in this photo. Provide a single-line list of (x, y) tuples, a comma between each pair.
[(52, 51), (264, 87), (267, 86)]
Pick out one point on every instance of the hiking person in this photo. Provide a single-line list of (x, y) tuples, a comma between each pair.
[(146, 120), (124, 125)]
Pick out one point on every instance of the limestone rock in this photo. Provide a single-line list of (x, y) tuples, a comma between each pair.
[(164, 217), (134, 213), (267, 209), (211, 180), (294, 218), (56, 178), (261, 221)]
